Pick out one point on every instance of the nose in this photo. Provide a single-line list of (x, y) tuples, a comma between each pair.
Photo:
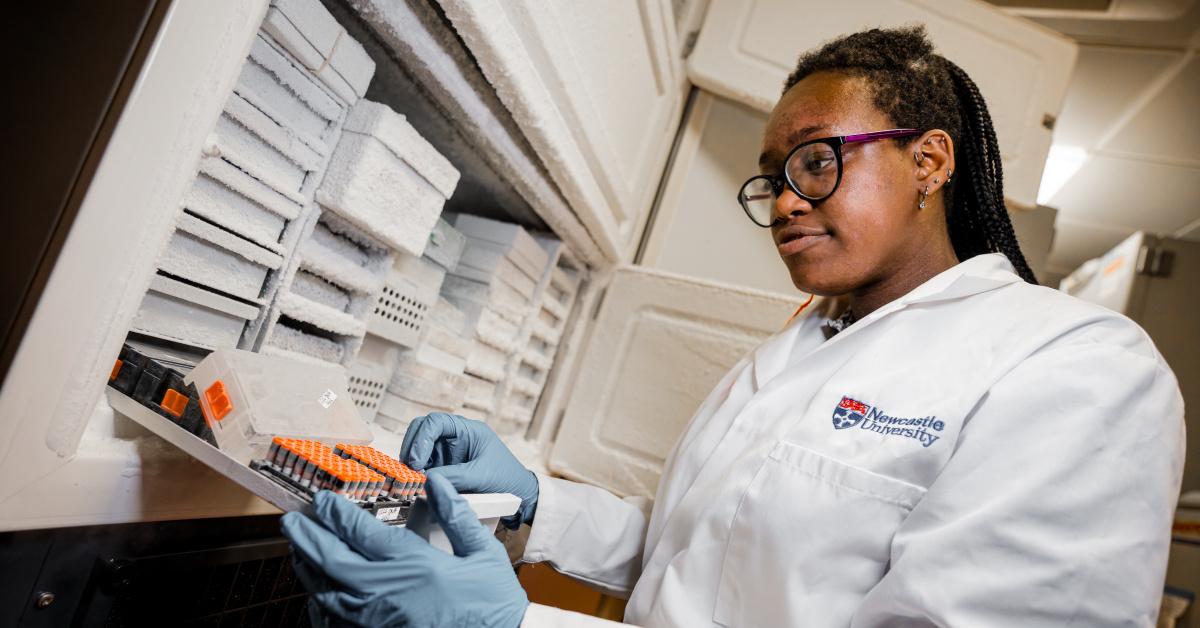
[(788, 204)]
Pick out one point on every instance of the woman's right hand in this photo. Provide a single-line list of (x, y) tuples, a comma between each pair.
[(471, 456)]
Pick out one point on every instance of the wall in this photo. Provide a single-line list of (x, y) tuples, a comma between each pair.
[(700, 230)]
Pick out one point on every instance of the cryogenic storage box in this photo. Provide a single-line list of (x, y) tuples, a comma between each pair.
[(250, 398)]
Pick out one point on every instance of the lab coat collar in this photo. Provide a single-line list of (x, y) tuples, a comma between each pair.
[(974, 276)]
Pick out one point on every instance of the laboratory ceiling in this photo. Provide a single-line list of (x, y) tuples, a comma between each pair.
[(1127, 143)]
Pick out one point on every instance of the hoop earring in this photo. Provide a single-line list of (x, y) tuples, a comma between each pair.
[(922, 205)]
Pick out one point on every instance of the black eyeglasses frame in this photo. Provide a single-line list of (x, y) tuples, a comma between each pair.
[(779, 180)]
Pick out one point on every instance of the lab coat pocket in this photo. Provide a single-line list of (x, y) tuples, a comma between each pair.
[(810, 538)]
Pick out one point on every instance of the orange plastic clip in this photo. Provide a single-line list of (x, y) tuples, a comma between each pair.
[(218, 400), (174, 403), (116, 369), (802, 308)]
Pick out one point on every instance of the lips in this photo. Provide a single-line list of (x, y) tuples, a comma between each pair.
[(795, 238)]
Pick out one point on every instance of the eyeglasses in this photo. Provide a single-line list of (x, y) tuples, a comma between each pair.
[(813, 170)]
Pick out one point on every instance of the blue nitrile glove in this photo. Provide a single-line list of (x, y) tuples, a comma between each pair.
[(471, 456), (362, 572)]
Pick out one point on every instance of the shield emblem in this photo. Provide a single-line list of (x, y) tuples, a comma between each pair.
[(848, 413)]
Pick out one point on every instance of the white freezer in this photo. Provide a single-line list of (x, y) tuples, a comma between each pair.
[(1153, 280), (577, 109)]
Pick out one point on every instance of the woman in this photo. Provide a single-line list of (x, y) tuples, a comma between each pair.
[(953, 446)]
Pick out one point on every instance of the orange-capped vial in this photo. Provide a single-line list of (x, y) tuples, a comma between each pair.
[(274, 449), (376, 487), (288, 461), (310, 468), (318, 481), (301, 464), (360, 484)]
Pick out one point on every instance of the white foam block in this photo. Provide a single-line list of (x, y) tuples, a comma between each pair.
[(498, 267), (320, 315), (480, 393), (516, 413), (339, 252), (315, 288), (299, 103), (396, 426), (200, 261), (396, 412), (285, 32), (555, 307), (505, 233), (337, 84), (426, 353), (229, 241), (545, 333), (313, 21), (379, 121), (447, 317), (184, 313), (496, 331), (446, 245), (295, 341), (538, 357), (308, 31), (286, 72), (220, 204), (487, 362), (329, 265), (421, 271), (500, 297), (447, 341), (486, 256), (279, 137), (427, 385), (246, 185), (373, 188), (249, 152), (352, 63)]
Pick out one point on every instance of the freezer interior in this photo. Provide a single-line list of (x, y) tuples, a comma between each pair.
[(443, 206)]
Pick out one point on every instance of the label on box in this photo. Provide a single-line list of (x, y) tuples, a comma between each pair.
[(327, 399), (388, 514)]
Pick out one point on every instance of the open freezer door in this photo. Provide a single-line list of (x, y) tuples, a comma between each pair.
[(747, 48), (596, 87), (659, 344)]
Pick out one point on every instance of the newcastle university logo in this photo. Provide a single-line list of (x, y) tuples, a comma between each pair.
[(848, 413)]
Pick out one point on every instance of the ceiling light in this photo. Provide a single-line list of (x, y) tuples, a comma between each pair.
[(1061, 164)]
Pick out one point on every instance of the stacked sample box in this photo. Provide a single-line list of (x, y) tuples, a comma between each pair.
[(497, 285), (527, 371), (380, 199), (252, 197), (428, 374), (308, 31), (320, 312)]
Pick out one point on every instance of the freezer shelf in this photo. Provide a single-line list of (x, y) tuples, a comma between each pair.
[(489, 507), (220, 462)]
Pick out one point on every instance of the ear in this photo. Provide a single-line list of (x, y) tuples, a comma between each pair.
[(934, 157)]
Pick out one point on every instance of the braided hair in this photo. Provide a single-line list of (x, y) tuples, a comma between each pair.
[(920, 89)]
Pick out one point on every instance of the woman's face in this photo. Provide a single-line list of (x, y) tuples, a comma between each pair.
[(869, 228)]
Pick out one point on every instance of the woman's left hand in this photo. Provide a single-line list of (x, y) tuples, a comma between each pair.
[(362, 572)]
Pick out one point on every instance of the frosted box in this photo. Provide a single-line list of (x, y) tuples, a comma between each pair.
[(250, 398), (387, 179)]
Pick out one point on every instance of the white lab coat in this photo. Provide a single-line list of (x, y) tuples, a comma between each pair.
[(980, 452)]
